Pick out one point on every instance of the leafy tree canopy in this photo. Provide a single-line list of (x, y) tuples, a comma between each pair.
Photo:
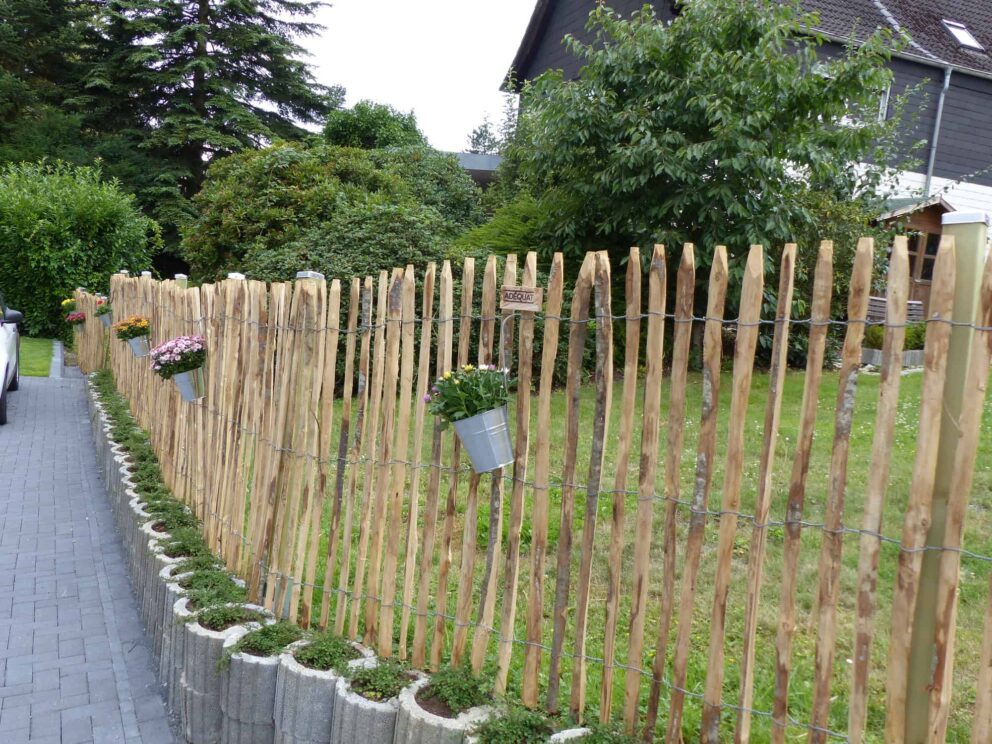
[(725, 126), (62, 227), (371, 125), (342, 211)]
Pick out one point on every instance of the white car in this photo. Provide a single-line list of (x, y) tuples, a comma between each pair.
[(9, 347)]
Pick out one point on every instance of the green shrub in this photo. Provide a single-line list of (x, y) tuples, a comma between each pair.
[(372, 125), (325, 652), (457, 688), (62, 227), (341, 211), (916, 335), (381, 682), (516, 726), (513, 228)]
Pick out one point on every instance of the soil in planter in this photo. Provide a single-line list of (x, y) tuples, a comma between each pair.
[(453, 690), (268, 640), (219, 619), (381, 682), (326, 652)]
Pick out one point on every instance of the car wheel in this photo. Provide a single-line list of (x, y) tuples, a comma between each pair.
[(15, 383), (3, 407)]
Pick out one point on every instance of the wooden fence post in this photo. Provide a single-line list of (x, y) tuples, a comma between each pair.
[(970, 233)]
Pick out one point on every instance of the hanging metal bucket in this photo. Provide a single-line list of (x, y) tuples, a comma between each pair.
[(486, 438), (105, 319), (191, 384), (139, 345)]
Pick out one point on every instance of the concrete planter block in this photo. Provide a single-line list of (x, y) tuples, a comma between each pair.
[(157, 597), (171, 593), (201, 680), (415, 725), (304, 702), (135, 517), (569, 735), (177, 650), (358, 719), (247, 696), (148, 541), (910, 359)]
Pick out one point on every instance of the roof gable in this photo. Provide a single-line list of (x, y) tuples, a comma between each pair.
[(930, 41)]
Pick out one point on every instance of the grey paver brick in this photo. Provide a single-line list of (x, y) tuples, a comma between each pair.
[(74, 661)]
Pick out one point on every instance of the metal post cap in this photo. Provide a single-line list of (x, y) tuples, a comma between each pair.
[(236, 275), (309, 275), (180, 277), (146, 273)]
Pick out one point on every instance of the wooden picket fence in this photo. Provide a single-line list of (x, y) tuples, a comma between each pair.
[(322, 480)]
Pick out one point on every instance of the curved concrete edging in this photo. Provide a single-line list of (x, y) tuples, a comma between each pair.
[(304, 702), (248, 695), (569, 735), (414, 725), (200, 683), (356, 718)]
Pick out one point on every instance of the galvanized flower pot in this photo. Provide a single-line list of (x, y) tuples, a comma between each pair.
[(139, 345), (105, 319), (191, 384), (486, 438)]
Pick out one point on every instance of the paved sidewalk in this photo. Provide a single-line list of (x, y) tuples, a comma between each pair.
[(75, 665)]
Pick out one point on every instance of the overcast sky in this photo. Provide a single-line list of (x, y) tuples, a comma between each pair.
[(443, 59)]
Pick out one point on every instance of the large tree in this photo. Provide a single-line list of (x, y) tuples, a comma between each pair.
[(726, 126), (203, 79)]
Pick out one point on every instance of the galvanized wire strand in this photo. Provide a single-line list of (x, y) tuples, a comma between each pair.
[(593, 318)]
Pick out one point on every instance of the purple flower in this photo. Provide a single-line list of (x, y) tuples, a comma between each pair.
[(427, 398)]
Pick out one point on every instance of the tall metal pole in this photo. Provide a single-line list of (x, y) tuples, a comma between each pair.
[(970, 233)]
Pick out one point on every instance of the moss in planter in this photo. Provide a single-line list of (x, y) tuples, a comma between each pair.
[(222, 618), (452, 690), (381, 682), (326, 652), (517, 726)]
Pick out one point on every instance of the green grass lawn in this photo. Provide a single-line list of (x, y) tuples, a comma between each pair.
[(974, 573), (36, 356)]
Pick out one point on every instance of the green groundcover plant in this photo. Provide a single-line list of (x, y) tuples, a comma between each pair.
[(517, 726), (456, 688), (468, 391), (326, 652), (381, 682)]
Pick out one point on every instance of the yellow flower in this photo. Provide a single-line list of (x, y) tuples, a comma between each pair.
[(468, 368), (447, 375), (458, 382)]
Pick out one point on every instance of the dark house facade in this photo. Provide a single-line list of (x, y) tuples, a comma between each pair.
[(950, 54)]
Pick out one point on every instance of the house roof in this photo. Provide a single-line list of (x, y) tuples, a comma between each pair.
[(902, 206), (921, 20)]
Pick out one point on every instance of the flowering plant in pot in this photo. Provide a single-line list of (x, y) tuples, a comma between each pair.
[(181, 359), (473, 399), (68, 304), (135, 330), (75, 318), (103, 311)]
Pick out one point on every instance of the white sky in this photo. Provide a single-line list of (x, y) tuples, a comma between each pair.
[(443, 59)]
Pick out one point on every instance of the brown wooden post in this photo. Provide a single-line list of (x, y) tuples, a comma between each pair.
[(970, 234)]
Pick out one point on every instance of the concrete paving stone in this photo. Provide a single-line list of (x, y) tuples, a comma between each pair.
[(74, 662)]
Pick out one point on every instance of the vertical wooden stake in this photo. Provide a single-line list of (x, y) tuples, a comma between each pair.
[(539, 518), (712, 353), (632, 345), (878, 479)]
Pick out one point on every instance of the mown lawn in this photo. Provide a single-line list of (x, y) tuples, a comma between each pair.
[(975, 573), (36, 356)]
